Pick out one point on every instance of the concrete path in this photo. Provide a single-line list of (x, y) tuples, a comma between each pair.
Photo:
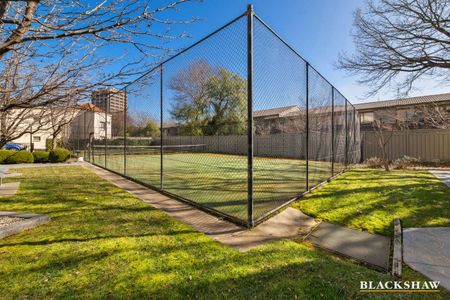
[(9, 189), (284, 225), (288, 224), (368, 248), (29, 221), (427, 250), (442, 174), (13, 175)]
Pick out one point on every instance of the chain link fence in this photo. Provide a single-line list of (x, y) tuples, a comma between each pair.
[(238, 124)]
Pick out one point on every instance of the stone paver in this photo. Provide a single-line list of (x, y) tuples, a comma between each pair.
[(284, 225), (29, 221), (442, 174), (427, 250), (368, 248), (9, 189)]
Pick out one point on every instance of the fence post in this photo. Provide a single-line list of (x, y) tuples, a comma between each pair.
[(106, 123), (84, 137), (161, 127), (250, 116), (307, 127), (354, 134), (332, 131), (346, 134), (125, 112)]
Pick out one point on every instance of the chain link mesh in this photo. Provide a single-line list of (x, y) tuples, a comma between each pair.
[(320, 128), (183, 128), (339, 132), (205, 113), (279, 120)]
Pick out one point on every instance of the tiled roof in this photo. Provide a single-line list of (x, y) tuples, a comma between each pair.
[(404, 101), (277, 111), (90, 107)]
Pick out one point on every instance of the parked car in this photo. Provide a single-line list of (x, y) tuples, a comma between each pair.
[(12, 146)]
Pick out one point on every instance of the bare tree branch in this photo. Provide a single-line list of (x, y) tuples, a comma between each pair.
[(399, 42)]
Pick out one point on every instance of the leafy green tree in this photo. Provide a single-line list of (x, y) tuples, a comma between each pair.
[(209, 101), (228, 97)]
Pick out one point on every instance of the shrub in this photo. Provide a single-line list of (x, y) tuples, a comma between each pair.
[(59, 155), (374, 162), (20, 157), (4, 154), (41, 156), (49, 142), (406, 162)]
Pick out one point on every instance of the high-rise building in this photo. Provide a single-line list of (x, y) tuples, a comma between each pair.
[(110, 99)]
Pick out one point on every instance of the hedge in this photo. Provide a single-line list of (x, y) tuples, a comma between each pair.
[(4, 154), (41, 156), (59, 155), (20, 157)]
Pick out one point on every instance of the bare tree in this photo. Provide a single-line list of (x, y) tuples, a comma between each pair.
[(60, 115), (52, 49), (436, 116), (191, 93), (401, 40), (385, 123)]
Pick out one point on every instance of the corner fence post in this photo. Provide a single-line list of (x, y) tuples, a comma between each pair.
[(332, 132), (307, 127), (161, 126), (250, 14)]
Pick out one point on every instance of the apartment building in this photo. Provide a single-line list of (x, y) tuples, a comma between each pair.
[(110, 100)]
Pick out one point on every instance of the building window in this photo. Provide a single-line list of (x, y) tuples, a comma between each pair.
[(36, 139), (367, 117)]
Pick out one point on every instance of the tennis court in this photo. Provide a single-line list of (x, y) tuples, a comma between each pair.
[(245, 122), (217, 181)]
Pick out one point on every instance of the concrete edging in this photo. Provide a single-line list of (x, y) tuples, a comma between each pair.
[(397, 256), (30, 221)]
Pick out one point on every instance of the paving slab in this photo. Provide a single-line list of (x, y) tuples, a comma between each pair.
[(29, 221), (286, 224), (362, 246), (442, 174), (427, 250), (9, 189)]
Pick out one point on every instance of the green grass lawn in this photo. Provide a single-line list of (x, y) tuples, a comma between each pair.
[(219, 181), (103, 242), (370, 199)]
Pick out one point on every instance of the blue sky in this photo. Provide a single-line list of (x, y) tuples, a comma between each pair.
[(319, 30)]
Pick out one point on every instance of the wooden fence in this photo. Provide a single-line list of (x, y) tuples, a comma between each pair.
[(427, 144), (287, 145)]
